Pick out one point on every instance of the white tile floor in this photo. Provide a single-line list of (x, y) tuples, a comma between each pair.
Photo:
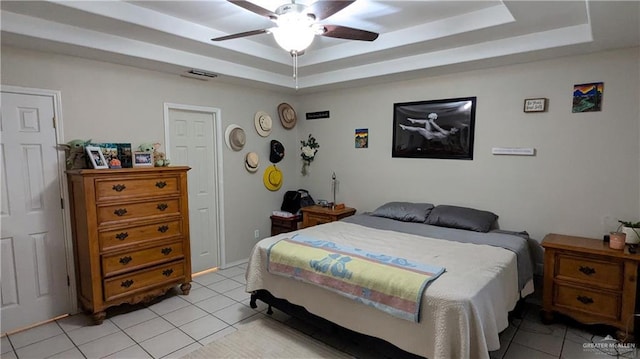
[(217, 305)]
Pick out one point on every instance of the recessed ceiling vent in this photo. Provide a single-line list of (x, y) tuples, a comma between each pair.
[(200, 75)]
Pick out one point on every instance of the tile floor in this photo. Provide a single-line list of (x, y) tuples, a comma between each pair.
[(218, 305)]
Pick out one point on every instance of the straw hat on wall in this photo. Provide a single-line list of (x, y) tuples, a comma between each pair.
[(235, 137)]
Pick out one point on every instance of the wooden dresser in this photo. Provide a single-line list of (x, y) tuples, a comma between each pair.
[(130, 235), (588, 281), (314, 215)]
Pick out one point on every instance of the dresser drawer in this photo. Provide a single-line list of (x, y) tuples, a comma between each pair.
[(125, 236), (606, 305), (126, 211), (122, 262), (118, 189), (122, 285), (589, 271)]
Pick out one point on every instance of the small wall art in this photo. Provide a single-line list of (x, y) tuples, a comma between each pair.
[(587, 97), (434, 129), (535, 105), (362, 138)]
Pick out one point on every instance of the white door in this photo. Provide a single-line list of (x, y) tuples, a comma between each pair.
[(34, 267), (192, 137)]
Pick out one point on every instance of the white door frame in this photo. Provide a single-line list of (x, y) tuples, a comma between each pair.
[(62, 178), (219, 182)]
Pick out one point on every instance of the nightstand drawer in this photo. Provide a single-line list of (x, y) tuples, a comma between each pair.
[(590, 271), (591, 302)]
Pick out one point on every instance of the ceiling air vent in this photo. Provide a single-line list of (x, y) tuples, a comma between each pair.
[(200, 75)]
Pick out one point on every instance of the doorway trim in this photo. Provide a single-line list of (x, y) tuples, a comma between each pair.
[(219, 182), (56, 97)]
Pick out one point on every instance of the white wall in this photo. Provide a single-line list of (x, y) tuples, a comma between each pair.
[(113, 103), (587, 165)]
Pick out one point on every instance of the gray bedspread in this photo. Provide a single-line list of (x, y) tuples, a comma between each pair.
[(517, 242)]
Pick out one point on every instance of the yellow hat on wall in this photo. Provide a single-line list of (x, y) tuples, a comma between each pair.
[(272, 178)]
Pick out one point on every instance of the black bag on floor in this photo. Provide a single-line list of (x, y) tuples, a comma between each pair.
[(294, 200)]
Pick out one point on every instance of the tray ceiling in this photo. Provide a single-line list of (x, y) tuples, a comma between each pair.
[(417, 38)]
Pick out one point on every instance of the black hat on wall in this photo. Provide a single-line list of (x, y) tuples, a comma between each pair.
[(277, 151)]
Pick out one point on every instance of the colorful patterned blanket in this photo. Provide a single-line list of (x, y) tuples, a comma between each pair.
[(391, 284)]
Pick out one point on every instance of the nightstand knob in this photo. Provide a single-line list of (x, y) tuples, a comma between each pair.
[(167, 272), (162, 206), (125, 260), (163, 229), (119, 187), (127, 283), (584, 299), (587, 270)]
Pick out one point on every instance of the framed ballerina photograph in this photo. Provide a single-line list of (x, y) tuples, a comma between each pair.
[(434, 129)]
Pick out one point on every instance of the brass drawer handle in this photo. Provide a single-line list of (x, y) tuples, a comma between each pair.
[(584, 299), (587, 270), (163, 229), (119, 187), (122, 236), (120, 212), (161, 184), (166, 250), (167, 272), (125, 260), (162, 206), (127, 283)]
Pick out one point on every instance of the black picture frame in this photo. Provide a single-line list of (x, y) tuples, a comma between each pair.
[(434, 129)]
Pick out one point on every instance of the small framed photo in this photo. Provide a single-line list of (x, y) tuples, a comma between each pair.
[(535, 105), (96, 157), (143, 159)]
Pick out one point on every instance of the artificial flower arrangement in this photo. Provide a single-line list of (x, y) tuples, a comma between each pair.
[(309, 149)]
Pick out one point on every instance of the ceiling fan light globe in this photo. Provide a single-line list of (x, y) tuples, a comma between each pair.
[(294, 32)]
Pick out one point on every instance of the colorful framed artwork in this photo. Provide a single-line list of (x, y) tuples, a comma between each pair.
[(96, 158), (119, 151), (434, 129), (142, 159), (362, 138), (535, 105), (587, 97)]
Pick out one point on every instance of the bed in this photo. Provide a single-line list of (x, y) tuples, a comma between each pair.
[(461, 312)]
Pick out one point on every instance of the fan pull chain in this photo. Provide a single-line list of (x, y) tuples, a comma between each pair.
[(294, 55)]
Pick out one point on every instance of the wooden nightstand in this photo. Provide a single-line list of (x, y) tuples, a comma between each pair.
[(588, 281), (314, 215), (284, 224)]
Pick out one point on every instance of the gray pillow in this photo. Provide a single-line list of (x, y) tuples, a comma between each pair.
[(404, 211), (462, 218)]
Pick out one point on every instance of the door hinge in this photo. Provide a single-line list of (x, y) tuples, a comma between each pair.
[(62, 203), (68, 282), (54, 122)]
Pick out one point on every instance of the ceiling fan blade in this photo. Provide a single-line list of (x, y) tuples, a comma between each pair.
[(254, 8), (349, 33), (323, 9), (240, 34)]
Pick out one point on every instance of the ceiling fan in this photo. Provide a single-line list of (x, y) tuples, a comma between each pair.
[(297, 24)]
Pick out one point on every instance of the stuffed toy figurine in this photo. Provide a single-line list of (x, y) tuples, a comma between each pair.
[(159, 157), (146, 147), (76, 158)]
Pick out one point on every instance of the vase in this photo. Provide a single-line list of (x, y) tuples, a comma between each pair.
[(632, 235), (616, 240), (305, 168)]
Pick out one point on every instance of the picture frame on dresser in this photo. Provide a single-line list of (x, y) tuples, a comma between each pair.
[(142, 159), (96, 158)]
